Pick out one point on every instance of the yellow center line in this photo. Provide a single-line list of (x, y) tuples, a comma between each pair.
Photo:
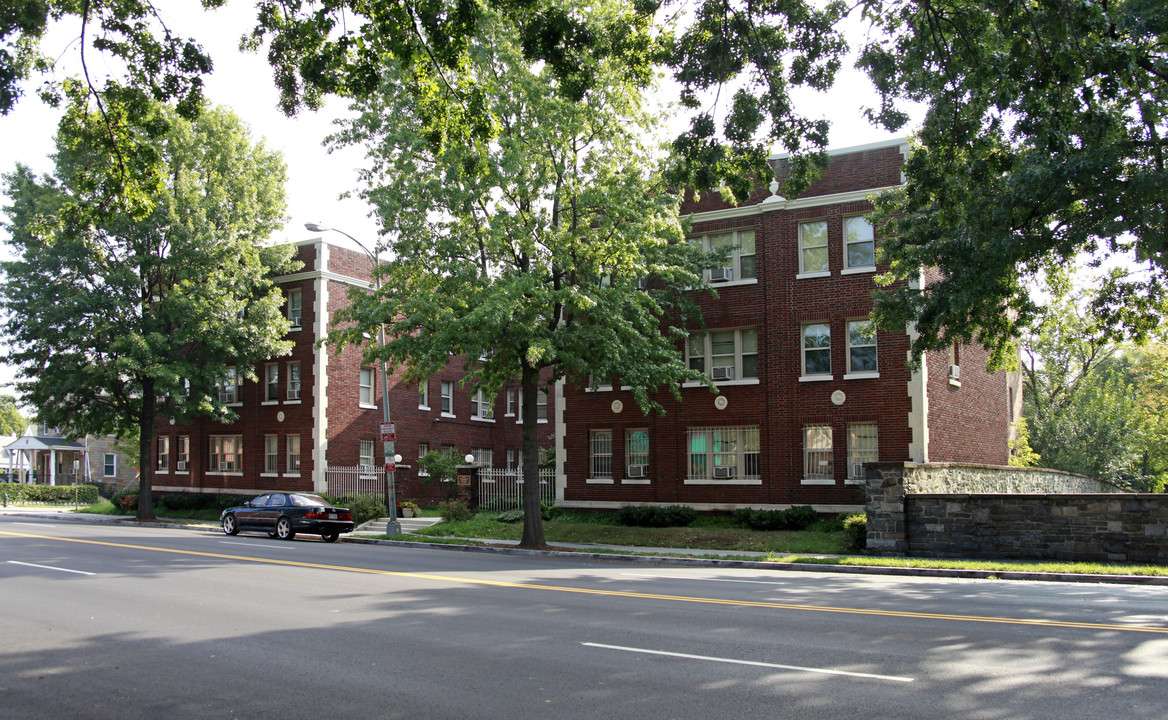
[(620, 593)]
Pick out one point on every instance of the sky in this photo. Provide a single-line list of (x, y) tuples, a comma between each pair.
[(316, 177)]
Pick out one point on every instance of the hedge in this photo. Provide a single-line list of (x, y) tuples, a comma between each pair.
[(53, 494)]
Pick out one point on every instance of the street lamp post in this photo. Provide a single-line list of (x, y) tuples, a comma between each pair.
[(393, 527)]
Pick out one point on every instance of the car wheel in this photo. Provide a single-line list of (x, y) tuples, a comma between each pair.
[(284, 529), (330, 535), (230, 526)]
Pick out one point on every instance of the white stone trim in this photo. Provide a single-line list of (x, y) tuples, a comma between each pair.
[(320, 367), (918, 393)]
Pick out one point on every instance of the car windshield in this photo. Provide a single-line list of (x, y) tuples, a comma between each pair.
[(308, 501)]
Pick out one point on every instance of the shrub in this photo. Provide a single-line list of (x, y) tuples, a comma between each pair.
[(656, 516), (128, 503), (856, 530), (501, 504), (548, 512), (363, 507), (456, 511), (509, 516), (799, 517), (20, 493), (188, 501)]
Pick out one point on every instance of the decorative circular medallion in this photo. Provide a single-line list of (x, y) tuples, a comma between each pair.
[(280, 416), (617, 406), (721, 402), (172, 421), (838, 397)]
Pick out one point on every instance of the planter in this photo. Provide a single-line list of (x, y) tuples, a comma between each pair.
[(407, 512)]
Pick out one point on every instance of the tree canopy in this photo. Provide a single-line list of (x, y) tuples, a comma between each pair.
[(117, 312), (526, 255), (1044, 138), (11, 421)]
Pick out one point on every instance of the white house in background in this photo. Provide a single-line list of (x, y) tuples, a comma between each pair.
[(50, 458)]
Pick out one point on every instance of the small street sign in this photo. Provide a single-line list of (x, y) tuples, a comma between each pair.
[(388, 432)]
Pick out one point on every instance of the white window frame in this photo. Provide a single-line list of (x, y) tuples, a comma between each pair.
[(109, 465), (700, 355), (805, 247), (708, 448), (229, 389), (424, 394), (541, 406), (863, 447), (271, 455), (294, 381), (162, 463), (182, 455), (271, 383), (367, 387), (637, 454), (296, 308), (741, 262), (482, 408), (600, 456), (854, 373), (818, 455), (447, 402), (366, 454), (221, 447), (510, 403), (423, 450), (292, 455), (483, 456), (804, 351), (864, 236)]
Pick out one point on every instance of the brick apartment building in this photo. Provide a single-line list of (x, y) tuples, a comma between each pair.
[(808, 388), (315, 411)]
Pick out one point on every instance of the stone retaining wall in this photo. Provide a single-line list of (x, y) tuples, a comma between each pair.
[(972, 511)]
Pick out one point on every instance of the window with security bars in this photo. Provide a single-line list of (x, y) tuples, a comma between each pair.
[(423, 450), (366, 454), (723, 453), (483, 456), (293, 452), (601, 454), (183, 454), (226, 453), (271, 454), (637, 453), (862, 448), (817, 453)]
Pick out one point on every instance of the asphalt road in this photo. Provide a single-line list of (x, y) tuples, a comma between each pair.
[(101, 621)]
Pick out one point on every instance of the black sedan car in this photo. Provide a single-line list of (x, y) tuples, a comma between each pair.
[(282, 515)]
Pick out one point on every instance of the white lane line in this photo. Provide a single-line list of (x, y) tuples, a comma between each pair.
[(263, 545), (50, 567), (732, 661), (683, 577), (36, 525)]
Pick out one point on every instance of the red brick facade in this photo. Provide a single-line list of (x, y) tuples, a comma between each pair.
[(915, 416), (327, 419)]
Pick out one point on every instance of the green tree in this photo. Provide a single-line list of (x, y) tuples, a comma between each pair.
[(525, 255), (118, 312), (11, 421), (1044, 138), (442, 468), (1144, 371)]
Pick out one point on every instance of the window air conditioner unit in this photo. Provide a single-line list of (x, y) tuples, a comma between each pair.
[(721, 275), (295, 322), (725, 472), (180, 465), (722, 372), (858, 470), (954, 372), (641, 283), (638, 471)]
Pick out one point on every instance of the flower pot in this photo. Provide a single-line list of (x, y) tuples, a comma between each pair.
[(407, 512)]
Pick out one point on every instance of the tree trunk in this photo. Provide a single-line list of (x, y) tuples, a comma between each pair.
[(145, 445), (532, 512)]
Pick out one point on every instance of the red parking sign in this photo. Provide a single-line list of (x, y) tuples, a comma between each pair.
[(388, 432)]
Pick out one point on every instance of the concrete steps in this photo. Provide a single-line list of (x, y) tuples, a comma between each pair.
[(377, 527)]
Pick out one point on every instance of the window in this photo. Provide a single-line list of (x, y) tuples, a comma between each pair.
[(294, 381), (366, 381), (228, 388), (816, 349), (482, 407), (817, 458), (110, 465), (861, 346), (271, 454), (510, 402), (723, 453), (423, 449), (448, 397), (601, 454), (511, 459), (483, 456), (424, 394), (541, 404), (226, 453), (725, 354), (271, 382), (740, 262), (862, 448), (636, 453), (813, 247), (366, 454), (183, 454), (859, 246), (295, 314), (163, 454), (293, 449)]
